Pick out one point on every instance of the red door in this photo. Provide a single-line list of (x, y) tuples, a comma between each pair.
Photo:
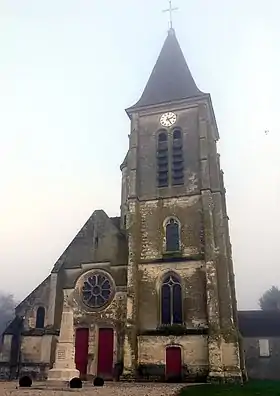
[(105, 353), (81, 350), (173, 363)]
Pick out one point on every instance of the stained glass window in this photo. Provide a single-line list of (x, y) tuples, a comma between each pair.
[(97, 291), (40, 318), (172, 236), (171, 301)]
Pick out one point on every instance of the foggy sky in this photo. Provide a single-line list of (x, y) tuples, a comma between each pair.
[(67, 67)]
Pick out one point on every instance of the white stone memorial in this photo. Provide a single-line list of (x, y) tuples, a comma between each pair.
[(64, 368)]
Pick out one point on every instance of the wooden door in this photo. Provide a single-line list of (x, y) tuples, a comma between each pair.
[(173, 367), (81, 350), (105, 353)]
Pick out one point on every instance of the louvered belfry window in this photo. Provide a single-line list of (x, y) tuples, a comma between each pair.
[(177, 159), (162, 160)]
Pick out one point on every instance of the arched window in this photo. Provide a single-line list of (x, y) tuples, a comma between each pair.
[(177, 158), (40, 318), (171, 300), (162, 159), (172, 235)]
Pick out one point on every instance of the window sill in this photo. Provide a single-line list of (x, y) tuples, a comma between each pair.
[(177, 253)]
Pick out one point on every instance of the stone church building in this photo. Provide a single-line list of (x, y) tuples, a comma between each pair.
[(149, 294)]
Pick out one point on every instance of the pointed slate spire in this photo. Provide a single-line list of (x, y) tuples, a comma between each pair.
[(171, 78)]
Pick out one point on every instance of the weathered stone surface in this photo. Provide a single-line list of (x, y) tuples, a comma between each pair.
[(152, 350), (131, 251), (259, 367), (192, 274)]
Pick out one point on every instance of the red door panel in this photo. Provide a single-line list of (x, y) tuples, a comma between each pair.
[(173, 363), (105, 353), (81, 350)]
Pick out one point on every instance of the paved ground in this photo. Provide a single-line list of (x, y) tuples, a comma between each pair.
[(114, 389)]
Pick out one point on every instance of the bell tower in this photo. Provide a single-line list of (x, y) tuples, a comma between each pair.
[(181, 291)]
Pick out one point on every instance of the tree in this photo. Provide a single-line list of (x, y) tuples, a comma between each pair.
[(7, 310), (270, 300)]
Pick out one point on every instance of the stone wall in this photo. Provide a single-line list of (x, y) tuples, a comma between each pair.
[(262, 367), (113, 315), (152, 354), (192, 274), (153, 214), (27, 349), (99, 244), (38, 298), (187, 120), (99, 240)]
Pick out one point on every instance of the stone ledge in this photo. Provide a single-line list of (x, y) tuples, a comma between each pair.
[(40, 332), (223, 377), (192, 257), (62, 375), (174, 330)]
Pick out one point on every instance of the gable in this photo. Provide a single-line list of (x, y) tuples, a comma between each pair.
[(39, 295), (100, 239)]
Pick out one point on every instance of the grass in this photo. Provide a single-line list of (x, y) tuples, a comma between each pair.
[(251, 388)]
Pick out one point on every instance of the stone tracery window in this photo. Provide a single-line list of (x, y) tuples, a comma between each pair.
[(171, 300), (97, 291)]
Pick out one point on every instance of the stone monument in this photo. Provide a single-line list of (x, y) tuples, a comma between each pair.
[(64, 367)]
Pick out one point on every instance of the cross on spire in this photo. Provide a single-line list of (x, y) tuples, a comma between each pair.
[(170, 10)]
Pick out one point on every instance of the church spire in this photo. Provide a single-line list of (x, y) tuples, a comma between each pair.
[(171, 78)]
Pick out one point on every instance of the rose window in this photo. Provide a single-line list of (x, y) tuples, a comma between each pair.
[(97, 291)]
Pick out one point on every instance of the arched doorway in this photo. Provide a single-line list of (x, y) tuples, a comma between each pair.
[(173, 368)]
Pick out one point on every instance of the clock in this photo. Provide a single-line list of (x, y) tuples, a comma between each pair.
[(168, 119)]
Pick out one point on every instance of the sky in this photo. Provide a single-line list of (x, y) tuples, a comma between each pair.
[(68, 70)]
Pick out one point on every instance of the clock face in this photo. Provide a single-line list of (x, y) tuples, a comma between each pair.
[(168, 119)]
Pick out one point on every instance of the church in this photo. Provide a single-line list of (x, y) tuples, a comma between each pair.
[(150, 294)]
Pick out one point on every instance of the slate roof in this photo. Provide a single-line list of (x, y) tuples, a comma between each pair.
[(171, 78), (14, 326), (81, 248), (116, 221), (124, 163), (259, 323)]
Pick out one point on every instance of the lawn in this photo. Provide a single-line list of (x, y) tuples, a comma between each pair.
[(251, 388)]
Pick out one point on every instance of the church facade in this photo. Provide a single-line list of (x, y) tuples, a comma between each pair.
[(149, 294)]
